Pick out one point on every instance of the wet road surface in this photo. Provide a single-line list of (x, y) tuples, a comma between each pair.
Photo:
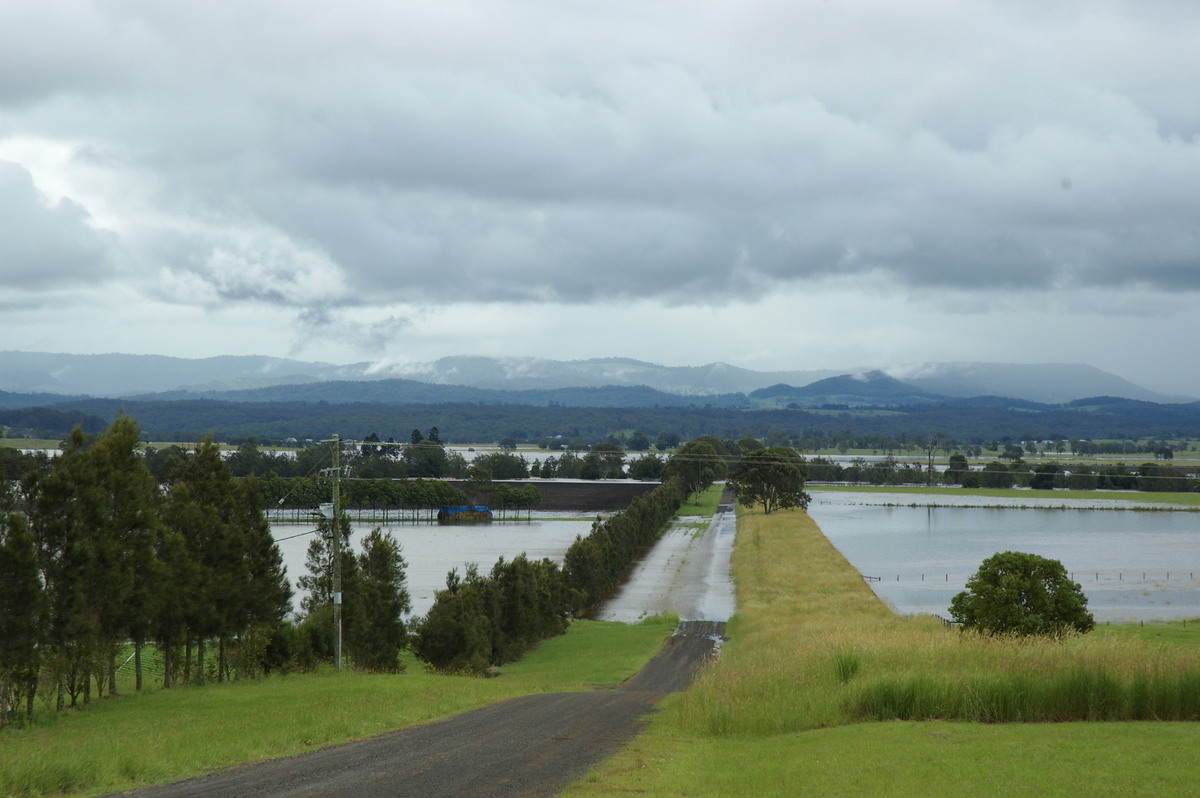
[(687, 573)]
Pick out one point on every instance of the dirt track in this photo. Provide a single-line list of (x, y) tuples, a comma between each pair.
[(528, 746)]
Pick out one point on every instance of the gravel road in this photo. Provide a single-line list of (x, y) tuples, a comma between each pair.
[(529, 746)]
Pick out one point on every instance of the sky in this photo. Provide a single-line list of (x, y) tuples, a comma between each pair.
[(775, 184)]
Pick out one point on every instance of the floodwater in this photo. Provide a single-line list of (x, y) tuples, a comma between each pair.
[(1133, 564), (432, 550), (687, 573)]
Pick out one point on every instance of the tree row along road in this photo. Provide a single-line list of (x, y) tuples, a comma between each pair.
[(529, 746)]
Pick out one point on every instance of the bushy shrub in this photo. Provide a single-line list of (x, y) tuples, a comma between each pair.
[(1023, 594)]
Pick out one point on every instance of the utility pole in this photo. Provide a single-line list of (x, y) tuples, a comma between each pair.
[(337, 550)]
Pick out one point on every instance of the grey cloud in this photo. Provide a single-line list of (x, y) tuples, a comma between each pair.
[(531, 151), (44, 244), (339, 324)]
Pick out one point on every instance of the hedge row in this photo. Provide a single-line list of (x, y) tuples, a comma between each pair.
[(480, 621)]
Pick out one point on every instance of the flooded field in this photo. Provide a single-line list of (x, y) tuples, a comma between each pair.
[(1133, 563), (687, 572), (432, 550)]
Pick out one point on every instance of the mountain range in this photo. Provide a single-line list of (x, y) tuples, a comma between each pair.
[(47, 378)]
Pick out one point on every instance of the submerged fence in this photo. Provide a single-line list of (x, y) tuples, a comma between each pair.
[(1083, 577)]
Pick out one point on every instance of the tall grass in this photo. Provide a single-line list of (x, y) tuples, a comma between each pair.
[(811, 647)]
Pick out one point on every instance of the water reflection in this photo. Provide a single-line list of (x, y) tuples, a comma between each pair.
[(1132, 564), (432, 550)]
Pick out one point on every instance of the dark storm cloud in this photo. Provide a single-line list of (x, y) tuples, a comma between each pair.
[(531, 151)]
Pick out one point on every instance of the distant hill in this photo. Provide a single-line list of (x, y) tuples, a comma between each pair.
[(407, 392), (1050, 383), (528, 373), (873, 388), (312, 406), (125, 375), (118, 375)]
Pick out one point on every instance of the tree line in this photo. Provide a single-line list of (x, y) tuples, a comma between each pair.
[(1017, 472), (99, 557), (483, 620), (108, 548), (94, 554)]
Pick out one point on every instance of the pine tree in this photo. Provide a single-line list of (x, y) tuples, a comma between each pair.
[(20, 615), (317, 607), (270, 593), (234, 567), (65, 559), (377, 634), (126, 527), (318, 582)]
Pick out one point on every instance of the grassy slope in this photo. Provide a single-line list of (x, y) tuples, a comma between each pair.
[(771, 717)]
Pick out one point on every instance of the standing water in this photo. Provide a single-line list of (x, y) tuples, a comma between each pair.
[(431, 551), (686, 572), (1134, 564)]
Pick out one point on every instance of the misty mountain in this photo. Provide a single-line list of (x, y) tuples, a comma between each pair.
[(1049, 383), (117, 375), (848, 390), (528, 373), (408, 392), (124, 375)]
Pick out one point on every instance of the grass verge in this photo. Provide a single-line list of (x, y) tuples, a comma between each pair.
[(814, 656), (166, 735), (705, 504)]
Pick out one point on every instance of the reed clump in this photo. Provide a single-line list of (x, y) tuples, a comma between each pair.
[(811, 646)]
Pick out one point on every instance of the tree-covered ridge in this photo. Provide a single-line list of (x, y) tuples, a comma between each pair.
[(973, 421), (403, 392)]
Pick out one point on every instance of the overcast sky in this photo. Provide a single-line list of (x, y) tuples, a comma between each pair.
[(777, 184)]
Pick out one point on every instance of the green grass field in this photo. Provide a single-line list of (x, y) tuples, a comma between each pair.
[(166, 735), (814, 658), (787, 710)]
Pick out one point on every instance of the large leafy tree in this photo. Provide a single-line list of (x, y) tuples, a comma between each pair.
[(698, 463), (771, 477), (1022, 594)]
